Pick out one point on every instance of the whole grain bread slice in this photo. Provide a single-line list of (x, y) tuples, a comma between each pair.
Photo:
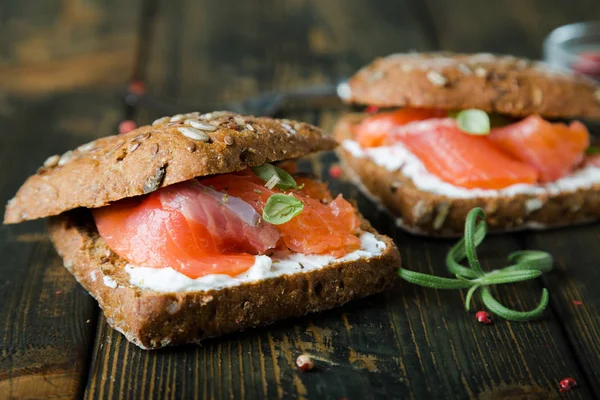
[(430, 214), (153, 320), (493, 83), (171, 150)]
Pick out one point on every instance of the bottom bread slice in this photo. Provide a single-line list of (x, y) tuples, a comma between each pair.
[(430, 214), (153, 320)]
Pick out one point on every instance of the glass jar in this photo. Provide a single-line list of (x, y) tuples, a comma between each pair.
[(575, 47)]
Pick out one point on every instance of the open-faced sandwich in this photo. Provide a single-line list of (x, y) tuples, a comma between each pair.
[(445, 133), (184, 230)]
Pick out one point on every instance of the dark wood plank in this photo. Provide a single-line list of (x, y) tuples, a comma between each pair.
[(206, 52), (507, 26), (44, 333), (48, 320), (64, 44), (575, 297)]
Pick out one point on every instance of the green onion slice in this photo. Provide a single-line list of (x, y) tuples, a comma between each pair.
[(473, 121)]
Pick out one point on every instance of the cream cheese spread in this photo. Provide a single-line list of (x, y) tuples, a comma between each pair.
[(398, 158), (265, 267)]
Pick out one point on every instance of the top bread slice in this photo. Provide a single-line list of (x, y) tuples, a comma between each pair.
[(493, 83), (171, 150)]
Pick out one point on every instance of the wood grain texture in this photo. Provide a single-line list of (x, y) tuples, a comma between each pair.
[(48, 320), (209, 51), (60, 45), (507, 26), (44, 336), (576, 299)]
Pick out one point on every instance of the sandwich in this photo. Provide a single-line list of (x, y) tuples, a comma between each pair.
[(443, 133), (199, 225)]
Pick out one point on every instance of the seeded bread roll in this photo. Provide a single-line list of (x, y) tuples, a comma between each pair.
[(493, 83), (153, 320), (172, 150), (431, 214)]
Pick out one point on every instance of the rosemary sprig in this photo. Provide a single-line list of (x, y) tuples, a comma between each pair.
[(525, 265)]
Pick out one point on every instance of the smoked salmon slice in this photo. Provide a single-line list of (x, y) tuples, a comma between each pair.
[(529, 151), (553, 149), (315, 189), (319, 229), (459, 158), (214, 225), (373, 131), (189, 227)]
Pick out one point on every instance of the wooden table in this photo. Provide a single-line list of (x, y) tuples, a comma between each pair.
[(61, 69)]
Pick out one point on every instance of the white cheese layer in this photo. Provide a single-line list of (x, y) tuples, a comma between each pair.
[(281, 263), (399, 158)]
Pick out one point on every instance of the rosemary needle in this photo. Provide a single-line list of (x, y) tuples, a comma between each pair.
[(525, 265)]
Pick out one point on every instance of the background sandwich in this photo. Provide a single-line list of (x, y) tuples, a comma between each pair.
[(184, 230), (472, 130)]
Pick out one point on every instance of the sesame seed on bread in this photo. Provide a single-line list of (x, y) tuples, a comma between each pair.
[(431, 214), (493, 83), (171, 150), (153, 319)]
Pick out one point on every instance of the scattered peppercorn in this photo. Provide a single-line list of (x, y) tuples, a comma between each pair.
[(137, 87), (59, 292), (483, 317), (304, 362), (567, 384), (577, 302), (127, 126), (335, 171)]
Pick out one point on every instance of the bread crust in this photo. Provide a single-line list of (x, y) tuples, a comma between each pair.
[(153, 320), (431, 214), (116, 167), (493, 83)]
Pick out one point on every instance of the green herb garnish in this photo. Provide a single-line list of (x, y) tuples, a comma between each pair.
[(270, 173), (526, 264), (592, 150), (281, 208), (473, 121)]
